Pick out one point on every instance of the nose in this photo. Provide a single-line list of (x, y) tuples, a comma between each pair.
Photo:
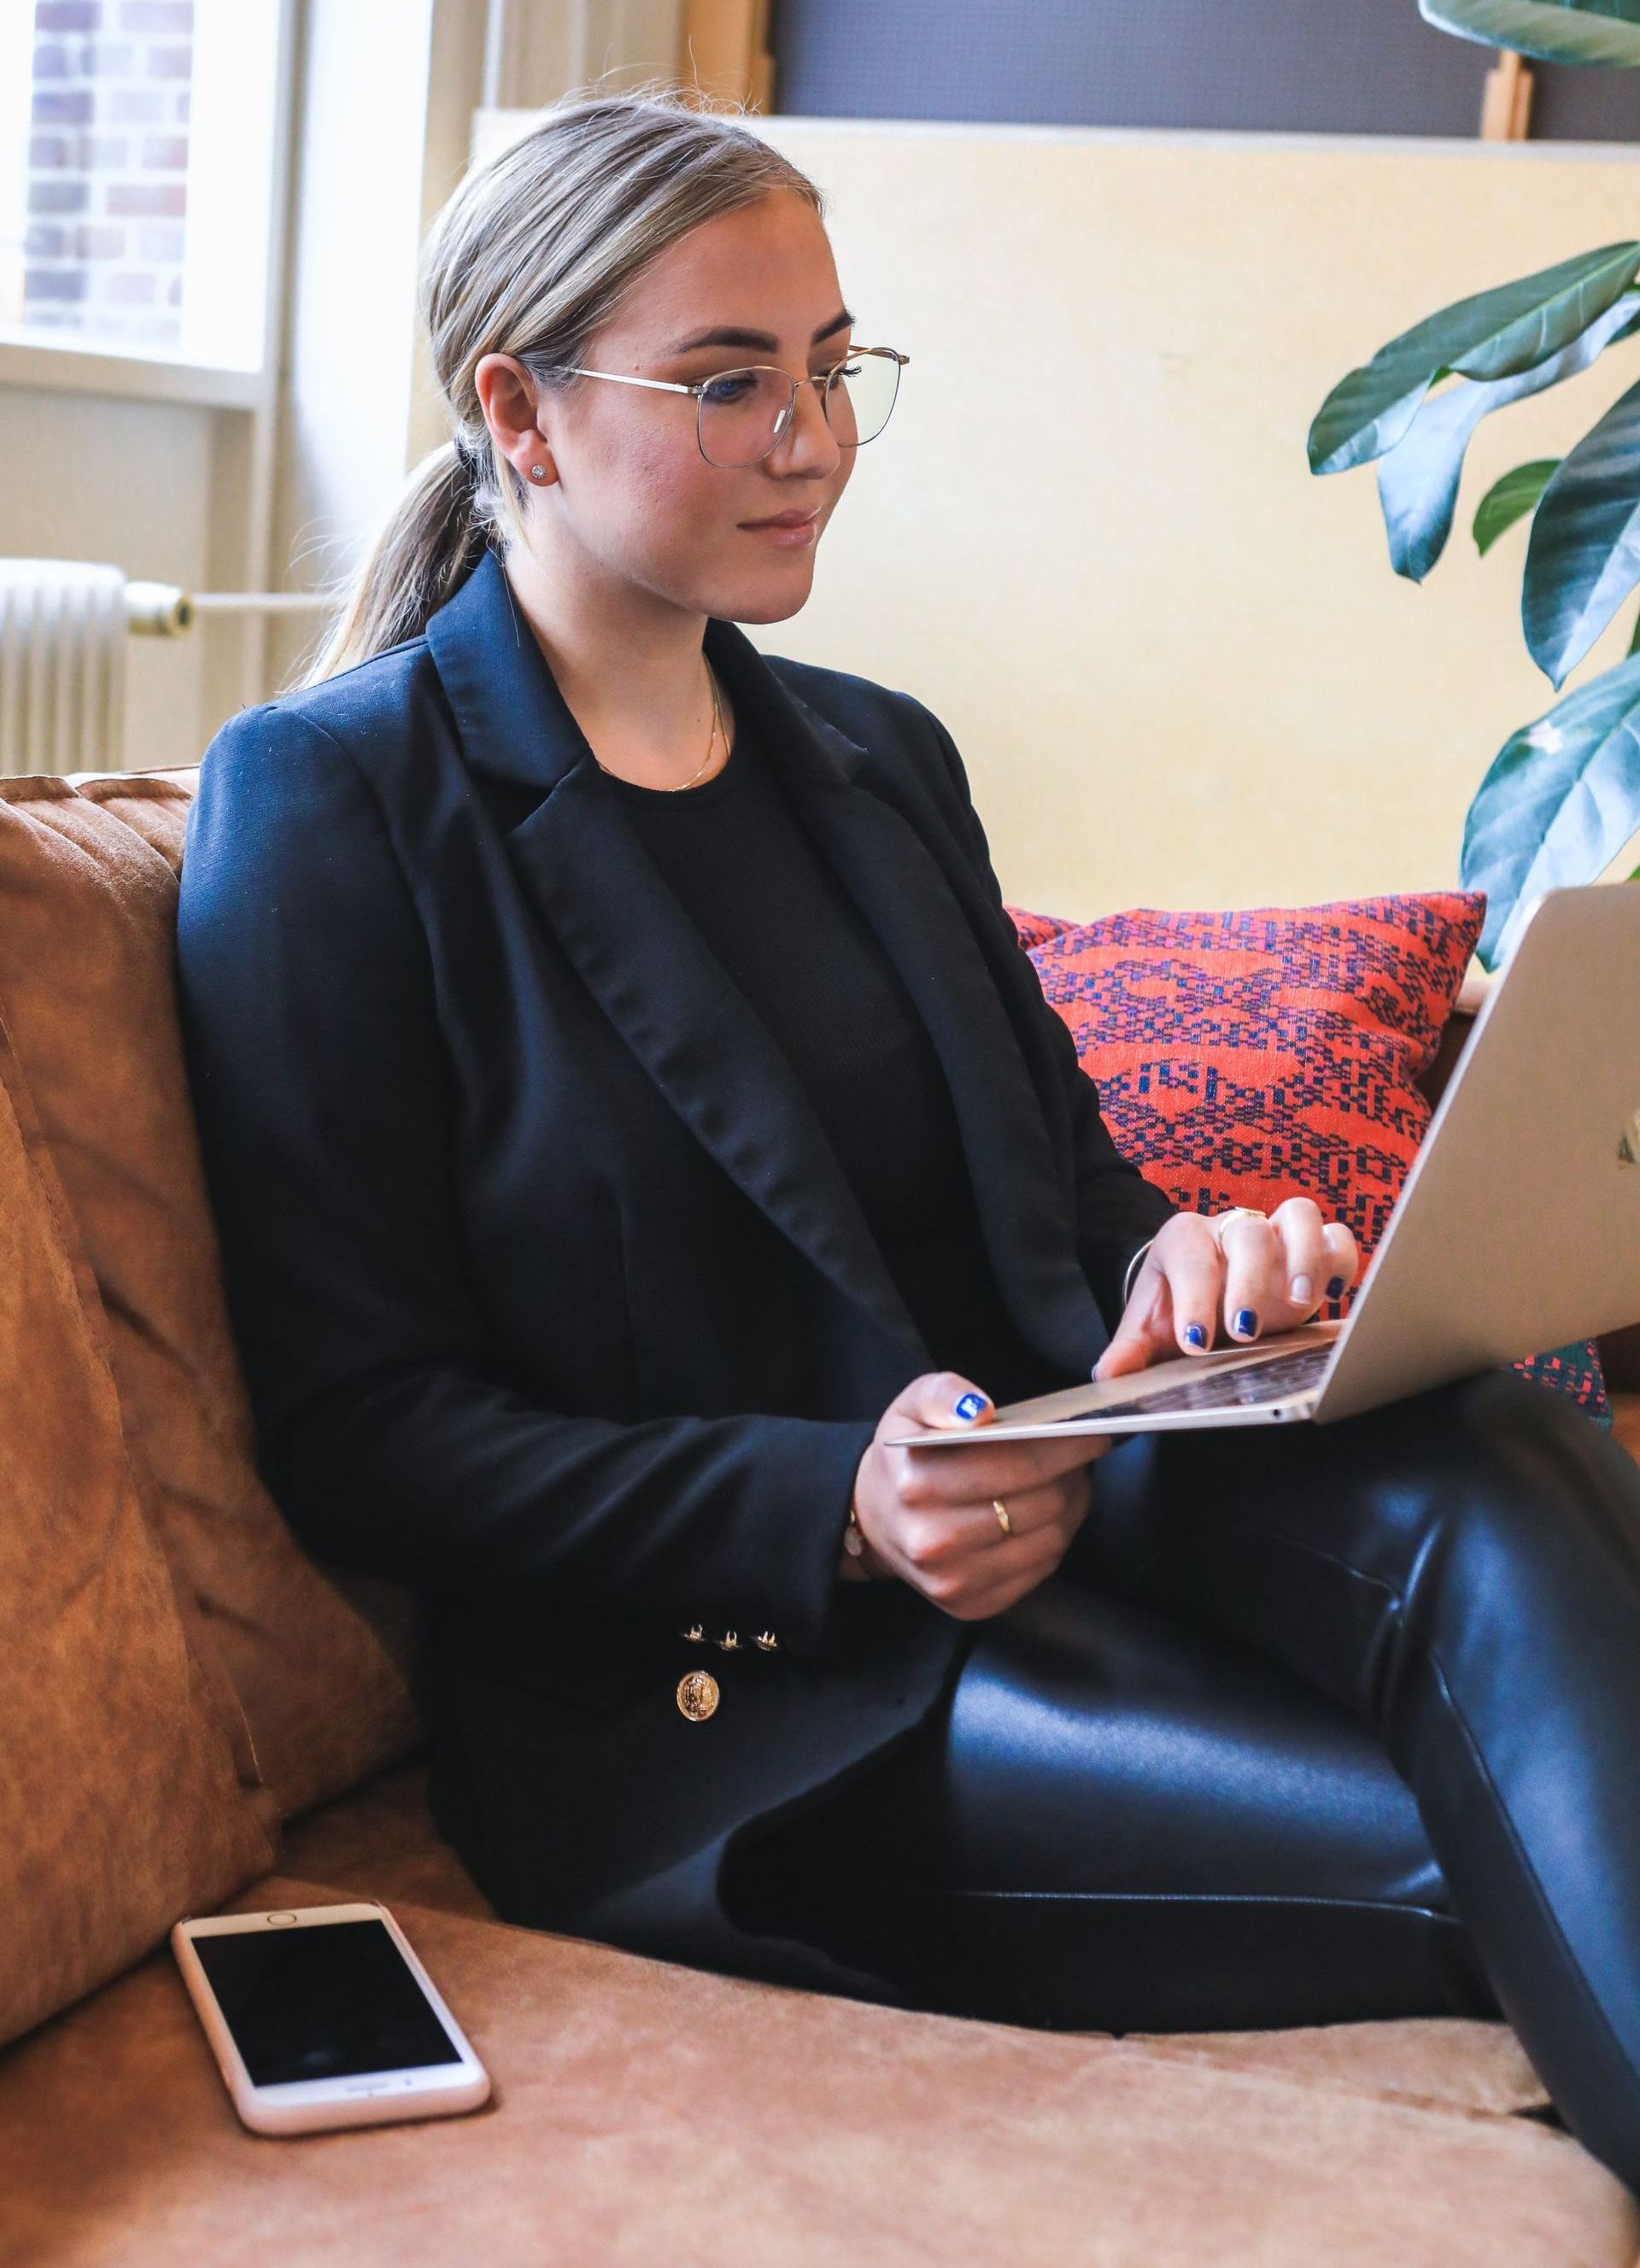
[(808, 444)]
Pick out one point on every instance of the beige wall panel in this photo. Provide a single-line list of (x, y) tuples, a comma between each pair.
[(1178, 667)]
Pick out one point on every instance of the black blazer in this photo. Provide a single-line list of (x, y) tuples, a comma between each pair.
[(554, 1302)]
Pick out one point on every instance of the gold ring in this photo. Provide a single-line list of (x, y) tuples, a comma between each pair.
[(1001, 1511), (1220, 1222)]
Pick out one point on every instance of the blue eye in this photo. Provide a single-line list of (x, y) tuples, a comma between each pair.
[(733, 386)]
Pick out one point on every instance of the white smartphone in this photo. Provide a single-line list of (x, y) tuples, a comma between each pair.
[(321, 2016)]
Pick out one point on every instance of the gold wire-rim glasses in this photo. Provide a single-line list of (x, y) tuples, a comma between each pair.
[(823, 379)]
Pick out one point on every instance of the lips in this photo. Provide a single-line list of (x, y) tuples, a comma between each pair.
[(786, 519)]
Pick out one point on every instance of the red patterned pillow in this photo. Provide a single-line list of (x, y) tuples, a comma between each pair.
[(1246, 1057), (1036, 929)]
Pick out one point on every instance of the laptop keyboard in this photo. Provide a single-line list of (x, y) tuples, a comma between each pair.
[(1233, 1388)]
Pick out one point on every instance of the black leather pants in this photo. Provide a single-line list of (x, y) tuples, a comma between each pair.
[(1312, 1724)]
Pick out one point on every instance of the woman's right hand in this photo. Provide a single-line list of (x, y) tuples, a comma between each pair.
[(926, 1515)]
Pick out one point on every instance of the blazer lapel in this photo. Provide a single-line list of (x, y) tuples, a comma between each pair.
[(917, 891), (638, 953), (707, 1051)]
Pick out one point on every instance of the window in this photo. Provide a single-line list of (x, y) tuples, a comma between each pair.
[(136, 175)]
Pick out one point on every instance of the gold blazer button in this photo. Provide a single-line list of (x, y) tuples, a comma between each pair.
[(697, 1694)]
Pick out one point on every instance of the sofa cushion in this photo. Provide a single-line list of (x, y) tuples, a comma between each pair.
[(381, 1841), (1246, 1056), (123, 1803), (647, 2111), (88, 892)]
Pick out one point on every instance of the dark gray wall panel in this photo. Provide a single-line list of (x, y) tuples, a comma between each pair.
[(1293, 66)]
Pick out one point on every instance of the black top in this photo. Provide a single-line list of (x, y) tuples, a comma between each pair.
[(788, 934)]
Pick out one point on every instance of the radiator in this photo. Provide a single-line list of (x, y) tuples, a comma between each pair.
[(62, 632), (63, 624)]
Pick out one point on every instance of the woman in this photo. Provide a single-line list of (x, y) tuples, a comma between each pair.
[(626, 1104)]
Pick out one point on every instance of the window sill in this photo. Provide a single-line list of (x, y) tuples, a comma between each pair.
[(25, 359)]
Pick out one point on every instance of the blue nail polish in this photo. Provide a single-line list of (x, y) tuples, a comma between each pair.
[(970, 1405), (1196, 1335), (1335, 1290), (1246, 1323)]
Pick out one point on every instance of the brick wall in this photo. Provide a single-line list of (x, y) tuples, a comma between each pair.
[(108, 169)]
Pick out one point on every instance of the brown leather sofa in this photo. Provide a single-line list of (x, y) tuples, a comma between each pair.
[(197, 1716)]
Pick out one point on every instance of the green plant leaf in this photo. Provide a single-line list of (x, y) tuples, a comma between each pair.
[(1495, 334), (1417, 480), (1583, 557), (1560, 800), (1510, 500), (1554, 31)]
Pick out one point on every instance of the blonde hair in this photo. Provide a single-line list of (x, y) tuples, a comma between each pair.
[(533, 253)]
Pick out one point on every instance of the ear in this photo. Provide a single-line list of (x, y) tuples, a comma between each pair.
[(511, 401)]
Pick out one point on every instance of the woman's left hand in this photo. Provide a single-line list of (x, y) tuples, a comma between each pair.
[(1272, 1275)]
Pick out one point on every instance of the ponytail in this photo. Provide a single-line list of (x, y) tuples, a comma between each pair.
[(431, 542)]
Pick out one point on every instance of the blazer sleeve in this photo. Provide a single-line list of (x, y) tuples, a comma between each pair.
[(386, 1432), (1117, 1208)]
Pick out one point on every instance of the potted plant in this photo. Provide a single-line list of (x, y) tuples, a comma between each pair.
[(1562, 795)]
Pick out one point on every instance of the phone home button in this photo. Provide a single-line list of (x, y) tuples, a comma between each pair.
[(279, 1921)]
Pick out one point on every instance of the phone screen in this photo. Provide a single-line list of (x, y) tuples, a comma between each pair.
[(323, 2002)]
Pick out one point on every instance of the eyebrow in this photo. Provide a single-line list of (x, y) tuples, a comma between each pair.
[(728, 336)]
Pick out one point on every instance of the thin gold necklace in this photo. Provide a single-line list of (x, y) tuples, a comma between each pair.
[(718, 718)]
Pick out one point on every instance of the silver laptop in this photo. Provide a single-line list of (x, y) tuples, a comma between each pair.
[(1517, 1229)]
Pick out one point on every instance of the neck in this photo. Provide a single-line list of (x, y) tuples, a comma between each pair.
[(630, 668)]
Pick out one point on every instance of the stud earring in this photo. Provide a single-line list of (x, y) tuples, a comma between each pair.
[(538, 472)]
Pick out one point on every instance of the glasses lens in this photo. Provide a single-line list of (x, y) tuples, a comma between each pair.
[(860, 396), (742, 413)]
